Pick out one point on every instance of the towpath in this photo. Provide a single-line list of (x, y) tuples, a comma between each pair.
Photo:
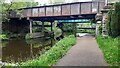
[(86, 52)]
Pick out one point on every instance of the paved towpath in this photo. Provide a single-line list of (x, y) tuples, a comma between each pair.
[(86, 52)]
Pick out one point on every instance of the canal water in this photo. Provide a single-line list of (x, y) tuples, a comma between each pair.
[(20, 50)]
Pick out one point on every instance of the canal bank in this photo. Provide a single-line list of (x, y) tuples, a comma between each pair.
[(50, 56)]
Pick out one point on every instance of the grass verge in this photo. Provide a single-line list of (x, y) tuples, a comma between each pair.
[(54, 54), (110, 48)]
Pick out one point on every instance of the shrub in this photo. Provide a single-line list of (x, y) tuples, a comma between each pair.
[(54, 54)]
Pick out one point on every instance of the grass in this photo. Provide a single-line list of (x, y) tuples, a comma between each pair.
[(110, 49), (54, 54)]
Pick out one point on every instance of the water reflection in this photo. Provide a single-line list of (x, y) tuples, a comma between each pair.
[(21, 50)]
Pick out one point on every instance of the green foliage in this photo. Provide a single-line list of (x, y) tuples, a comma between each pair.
[(109, 47), (4, 37), (36, 29), (57, 1), (114, 21), (68, 26), (28, 36), (57, 31), (86, 31), (109, 23), (100, 29), (54, 54), (89, 24), (6, 7)]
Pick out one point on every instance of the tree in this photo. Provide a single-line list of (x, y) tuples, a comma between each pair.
[(6, 7), (116, 20), (113, 25), (57, 1)]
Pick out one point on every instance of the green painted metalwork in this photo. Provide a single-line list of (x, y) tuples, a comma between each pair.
[(73, 21)]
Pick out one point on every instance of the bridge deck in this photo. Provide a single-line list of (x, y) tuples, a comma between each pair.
[(69, 9)]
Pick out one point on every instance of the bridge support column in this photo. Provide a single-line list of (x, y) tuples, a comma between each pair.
[(52, 33), (62, 29), (43, 28), (99, 18), (98, 23), (104, 21), (31, 27), (60, 25), (74, 29)]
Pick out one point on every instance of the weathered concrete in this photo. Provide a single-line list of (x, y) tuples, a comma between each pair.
[(85, 53)]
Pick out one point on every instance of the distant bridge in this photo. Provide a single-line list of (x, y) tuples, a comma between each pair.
[(75, 21)]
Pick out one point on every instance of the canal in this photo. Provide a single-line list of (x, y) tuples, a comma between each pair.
[(20, 50)]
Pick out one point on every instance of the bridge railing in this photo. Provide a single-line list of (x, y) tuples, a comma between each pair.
[(77, 8)]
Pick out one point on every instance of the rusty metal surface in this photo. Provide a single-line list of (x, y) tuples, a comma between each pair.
[(57, 10), (101, 5), (35, 12), (24, 13), (95, 7), (49, 11), (42, 11), (85, 8), (63, 9), (76, 8), (29, 13)]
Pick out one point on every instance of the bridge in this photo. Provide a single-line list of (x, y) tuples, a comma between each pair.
[(78, 10), (62, 13)]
